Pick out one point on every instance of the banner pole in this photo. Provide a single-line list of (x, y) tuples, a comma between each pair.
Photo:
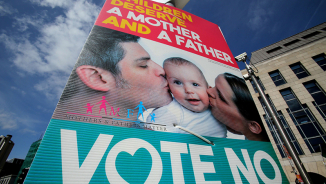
[(289, 146)]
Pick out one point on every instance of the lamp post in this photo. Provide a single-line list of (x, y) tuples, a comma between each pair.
[(283, 135), (175, 3)]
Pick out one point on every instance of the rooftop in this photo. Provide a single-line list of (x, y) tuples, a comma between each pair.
[(303, 38)]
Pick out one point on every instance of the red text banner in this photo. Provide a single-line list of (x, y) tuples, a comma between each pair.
[(167, 25)]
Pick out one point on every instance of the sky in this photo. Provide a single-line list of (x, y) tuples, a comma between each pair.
[(40, 41)]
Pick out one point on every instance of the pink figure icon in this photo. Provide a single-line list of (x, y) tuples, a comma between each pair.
[(103, 105), (89, 108)]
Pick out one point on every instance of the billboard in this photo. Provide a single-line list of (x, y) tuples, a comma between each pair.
[(150, 81)]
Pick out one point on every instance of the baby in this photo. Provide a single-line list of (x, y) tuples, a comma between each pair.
[(189, 107)]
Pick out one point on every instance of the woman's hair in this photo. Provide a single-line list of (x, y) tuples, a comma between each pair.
[(244, 102)]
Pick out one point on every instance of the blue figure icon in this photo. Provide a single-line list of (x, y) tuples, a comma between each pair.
[(140, 109), (152, 117)]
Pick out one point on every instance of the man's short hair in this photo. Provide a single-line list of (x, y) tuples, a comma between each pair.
[(180, 61), (103, 50)]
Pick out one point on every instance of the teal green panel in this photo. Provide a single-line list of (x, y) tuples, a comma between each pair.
[(47, 165)]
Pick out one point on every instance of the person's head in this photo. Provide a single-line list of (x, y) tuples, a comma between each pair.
[(233, 106), (187, 83), (114, 64)]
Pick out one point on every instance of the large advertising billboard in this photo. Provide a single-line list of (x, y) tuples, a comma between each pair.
[(150, 81)]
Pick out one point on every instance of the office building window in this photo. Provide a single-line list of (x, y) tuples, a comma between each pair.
[(319, 96), (259, 82), (311, 131), (277, 78), (273, 129), (299, 70), (320, 60)]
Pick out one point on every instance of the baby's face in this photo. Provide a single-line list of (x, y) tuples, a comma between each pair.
[(188, 86)]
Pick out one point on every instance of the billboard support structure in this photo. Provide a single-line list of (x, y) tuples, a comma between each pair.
[(284, 137)]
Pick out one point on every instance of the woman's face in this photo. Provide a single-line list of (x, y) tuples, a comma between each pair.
[(223, 107)]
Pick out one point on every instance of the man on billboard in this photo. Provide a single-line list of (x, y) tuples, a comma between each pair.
[(114, 67), (113, 64)]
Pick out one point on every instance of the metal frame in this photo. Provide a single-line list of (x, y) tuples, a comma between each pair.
[(282, 133)]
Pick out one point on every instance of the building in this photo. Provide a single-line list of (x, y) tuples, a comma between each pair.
[(10, 171), (292, 74), (27, 162), (6, 145), (9, 179)]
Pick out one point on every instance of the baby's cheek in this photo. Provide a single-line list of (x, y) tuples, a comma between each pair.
[(176, 93), (205, 99), (206, 103)]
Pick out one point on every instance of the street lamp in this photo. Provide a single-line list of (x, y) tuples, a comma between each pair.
[(175, 3), (288, 144)]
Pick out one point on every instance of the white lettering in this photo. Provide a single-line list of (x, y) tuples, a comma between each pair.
[(218, 54), (131, 146), (140, 17), (116, 11), (185, 32), (175, 149), (179, 39), (165, 36), (164, 24), (157, 23), (227, 57), (195, 36), (199, 46), (260, 155), (177, 28), (189, 44), (210, 50), (202, 167), (71, 172), (235, 164)]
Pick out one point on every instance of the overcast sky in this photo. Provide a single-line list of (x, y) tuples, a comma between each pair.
[(40, 41)]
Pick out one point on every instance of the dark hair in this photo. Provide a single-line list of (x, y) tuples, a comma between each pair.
[(244, 102), (102, 49), (180, 61)]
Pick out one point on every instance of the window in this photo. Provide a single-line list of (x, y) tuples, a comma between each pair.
[(320, 60), (259, 82), (274, 50), (277, 78), (291, 42), (299, 70), (319, 96), (273, 129), (311, 131), (311, 35)]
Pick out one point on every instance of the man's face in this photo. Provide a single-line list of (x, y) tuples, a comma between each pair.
[(188, 86), (143, 77)]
